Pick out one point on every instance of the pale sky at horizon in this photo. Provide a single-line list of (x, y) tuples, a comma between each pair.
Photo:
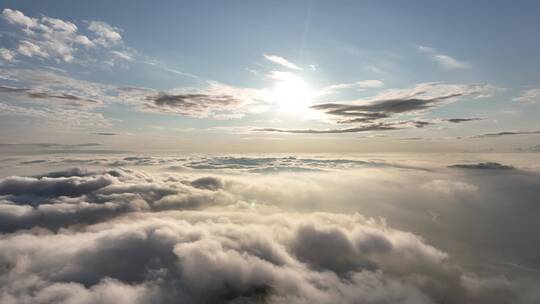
[(295, 76)]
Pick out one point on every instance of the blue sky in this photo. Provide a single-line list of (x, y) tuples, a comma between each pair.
[(253, 75)]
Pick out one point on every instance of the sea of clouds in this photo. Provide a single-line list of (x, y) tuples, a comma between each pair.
[(267, 229)]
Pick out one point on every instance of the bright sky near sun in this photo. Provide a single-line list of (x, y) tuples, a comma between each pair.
[(266, 76)]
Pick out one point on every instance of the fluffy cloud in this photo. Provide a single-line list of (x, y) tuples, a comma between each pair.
[(106, 33), (18, 18), (7, 55), (238, 238), (242, 255), (60, 40)]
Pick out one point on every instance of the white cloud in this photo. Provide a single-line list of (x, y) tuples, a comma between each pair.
[(30, 49), (208, 239), (449, 62), (281, 61), (7, 55), (446, 61), (107, 34), (362, 84), (61, 40), (18, 18), (529, 96), (123, 55), (450, 187)]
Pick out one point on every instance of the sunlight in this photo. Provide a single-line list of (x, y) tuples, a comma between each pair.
[(291, 93)]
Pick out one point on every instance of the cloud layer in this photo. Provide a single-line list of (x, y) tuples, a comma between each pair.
[(226, 238)]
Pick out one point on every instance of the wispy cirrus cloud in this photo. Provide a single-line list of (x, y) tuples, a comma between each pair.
[(362, 84), (380, 126), (40, 84), (446, 61), (529, 96), (281, 61), (507, 133), (55, 116)]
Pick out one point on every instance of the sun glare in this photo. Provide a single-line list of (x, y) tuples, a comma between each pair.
[(291, 93)]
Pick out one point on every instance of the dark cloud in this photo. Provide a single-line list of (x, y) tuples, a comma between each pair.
[(36, 161), (8, 89), (376, 127), (48, 145), (106, 133), (412, 138), (364, 128), (483, 166), (388, 105), (197, 105), (507, 133), (385, 108), (72, 186), (64, 96), (460, 120), (382, 108), (209, 183), (31, 93)]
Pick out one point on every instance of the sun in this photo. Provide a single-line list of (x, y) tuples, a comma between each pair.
[(291, 93)]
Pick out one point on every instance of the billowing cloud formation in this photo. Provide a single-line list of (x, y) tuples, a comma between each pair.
[(123, 236)]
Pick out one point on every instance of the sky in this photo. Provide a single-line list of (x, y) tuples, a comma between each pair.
[(251, 76), (375, 152)]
